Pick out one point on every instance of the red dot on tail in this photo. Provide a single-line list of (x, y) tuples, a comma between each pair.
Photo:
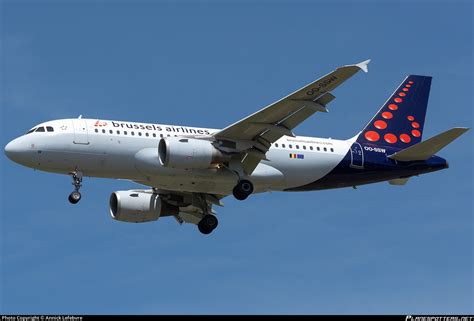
[(390, 138), (411, 118), (398, 100), (405, 89), (408, 86), (415, 125), (405, 138), (410, 82), (392, 107), (402, 94), (380, 124), (416, 133), (372, 136), (387, 115)]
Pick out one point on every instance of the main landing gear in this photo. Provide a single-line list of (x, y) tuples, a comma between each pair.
[(208, 224), (243, 189), (75, 196)]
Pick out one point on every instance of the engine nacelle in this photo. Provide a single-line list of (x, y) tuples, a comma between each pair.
[(180, 152), (137, 206)]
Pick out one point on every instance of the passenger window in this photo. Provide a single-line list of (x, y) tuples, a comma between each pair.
[(103, 131), (49, 129), (325, 149), (133, 133), (139, 133), (311, 147), (154, 135), (291, 146), (304, 147), (146, 134), (40, 129), (318, 148), (276, 145), (161, 135), (169, 135), (332, 150), (96, 130), (111, 131), (283, 145), (125, 132), (118, 132)]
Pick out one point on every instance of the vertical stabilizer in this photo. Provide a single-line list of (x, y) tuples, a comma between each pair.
[(400, 121)]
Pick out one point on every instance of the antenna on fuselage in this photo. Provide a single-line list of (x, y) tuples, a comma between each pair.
[(80, 117)]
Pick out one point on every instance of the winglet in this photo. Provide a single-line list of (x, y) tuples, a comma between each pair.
[(364, 65)]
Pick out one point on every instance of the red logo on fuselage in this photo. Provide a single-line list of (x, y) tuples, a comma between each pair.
[(100, 123)]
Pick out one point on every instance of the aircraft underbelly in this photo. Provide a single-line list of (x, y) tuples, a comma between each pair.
[(278, 173), (215, 180)]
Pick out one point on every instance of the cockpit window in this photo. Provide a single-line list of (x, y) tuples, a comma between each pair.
[(40, 129)]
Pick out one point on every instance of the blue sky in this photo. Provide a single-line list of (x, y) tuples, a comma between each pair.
[(376, 249)]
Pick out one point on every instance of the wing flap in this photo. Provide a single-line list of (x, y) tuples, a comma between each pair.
[(249, 163), (325, 99), (398, 181)]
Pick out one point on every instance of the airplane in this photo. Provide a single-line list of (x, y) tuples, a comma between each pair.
[(189, 170)]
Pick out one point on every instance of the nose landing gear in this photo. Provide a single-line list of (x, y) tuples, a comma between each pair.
[(75, 196)]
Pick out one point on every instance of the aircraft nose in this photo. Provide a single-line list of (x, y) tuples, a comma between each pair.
[(14, 150), (10, 149)]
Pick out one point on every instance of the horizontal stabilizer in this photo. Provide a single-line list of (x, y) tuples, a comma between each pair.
[(429, 147)]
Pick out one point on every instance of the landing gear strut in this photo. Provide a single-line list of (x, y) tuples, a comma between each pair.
[(75, 196), (243, 189), (208, 224)]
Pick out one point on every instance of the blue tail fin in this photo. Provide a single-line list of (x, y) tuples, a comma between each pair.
[(400, 121)]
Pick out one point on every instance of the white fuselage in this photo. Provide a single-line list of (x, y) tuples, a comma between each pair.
[(128, 150)]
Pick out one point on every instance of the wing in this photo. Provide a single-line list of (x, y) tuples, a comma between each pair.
[(269, 124)]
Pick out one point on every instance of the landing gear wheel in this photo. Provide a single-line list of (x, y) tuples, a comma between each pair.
[(208, 224), (238, 194), (243, 189), (74, 197)]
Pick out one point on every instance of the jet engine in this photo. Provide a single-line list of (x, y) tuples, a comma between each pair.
[(139, 206), (179, 152)]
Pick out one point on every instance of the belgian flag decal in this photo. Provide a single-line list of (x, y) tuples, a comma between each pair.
[(296, 156)]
